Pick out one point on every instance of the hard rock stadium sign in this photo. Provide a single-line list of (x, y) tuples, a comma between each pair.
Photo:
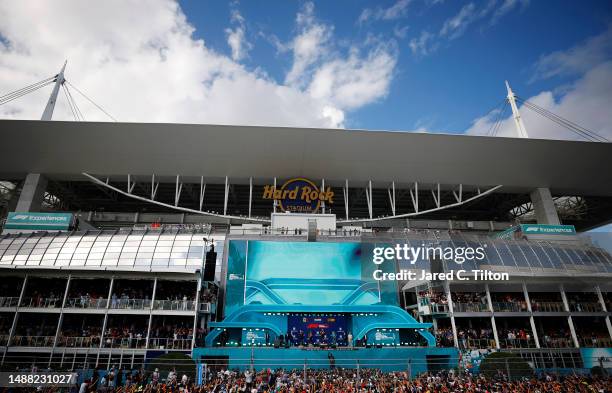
[(299, 195)]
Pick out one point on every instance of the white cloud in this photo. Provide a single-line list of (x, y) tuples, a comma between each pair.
[(423, 45), (309, 46), (400, 32), (507, 6), (586, 102), (236, 37), (454, 27), (577, 59), (348, 82), (150, 68), (353, 81), (397, 10)]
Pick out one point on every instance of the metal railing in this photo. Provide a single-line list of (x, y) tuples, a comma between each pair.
[(130, 304), (78, 302), (556, 342), (32, 341), (174, 305), (547, 306), (517, 343), (79, 342), (586, 307), (470, 307), (263, 231), (595, 342), (520, 306), (9, 301), (439, 308), (41, 302), (476, 343), (170, 343), (125, 342)]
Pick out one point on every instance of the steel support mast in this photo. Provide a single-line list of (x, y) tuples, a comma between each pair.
[(518, 121), (59, 81)]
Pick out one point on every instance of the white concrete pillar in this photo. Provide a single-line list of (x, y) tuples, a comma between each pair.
[(603, 307), (569, 318), (32, 193), (452, 314), (493, 323), (544, 206)]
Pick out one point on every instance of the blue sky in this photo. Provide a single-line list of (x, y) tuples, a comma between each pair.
[(409, 65), (445, 90)]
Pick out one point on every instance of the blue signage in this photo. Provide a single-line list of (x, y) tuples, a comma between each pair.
[(254, 337), (593, 357), (386, 337), (39, 221), (540, 229)]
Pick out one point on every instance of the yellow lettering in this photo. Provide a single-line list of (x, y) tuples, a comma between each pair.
[(329, 195), (268, 192), (306, 194)]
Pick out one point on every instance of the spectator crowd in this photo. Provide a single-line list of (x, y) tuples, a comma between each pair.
[(334, 380)]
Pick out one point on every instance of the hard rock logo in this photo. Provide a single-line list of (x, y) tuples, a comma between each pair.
[(299, 195)]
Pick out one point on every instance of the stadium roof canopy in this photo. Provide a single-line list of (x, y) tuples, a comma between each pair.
[(63, 151)]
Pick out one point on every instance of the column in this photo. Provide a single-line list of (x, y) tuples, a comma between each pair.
[(570, 322), (493, 324), (16, 316), (108, 304), (531, 320), (197, 310), (451, 312), (603, 307), (32, 193), (60, 320), (151, 313), (544, 206)]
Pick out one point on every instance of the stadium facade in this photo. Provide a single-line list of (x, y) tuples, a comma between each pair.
[(252, 246)]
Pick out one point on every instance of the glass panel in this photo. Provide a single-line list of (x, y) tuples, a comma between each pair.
[(160, 262), (532, 258), (542, 256), (178, 262), (565, 258), (518, 255), (504, 252), (554, 258)]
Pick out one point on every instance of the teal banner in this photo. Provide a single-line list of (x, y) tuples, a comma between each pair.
[(39, 221), (507, 234), (540, 229)]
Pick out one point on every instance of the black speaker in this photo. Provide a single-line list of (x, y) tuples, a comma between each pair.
[(209, 265)]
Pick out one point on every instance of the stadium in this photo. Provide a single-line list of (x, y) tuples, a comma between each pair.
[(252, 248), (129, 247)]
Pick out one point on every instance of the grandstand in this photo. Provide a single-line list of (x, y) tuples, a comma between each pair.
[(123, 242)]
